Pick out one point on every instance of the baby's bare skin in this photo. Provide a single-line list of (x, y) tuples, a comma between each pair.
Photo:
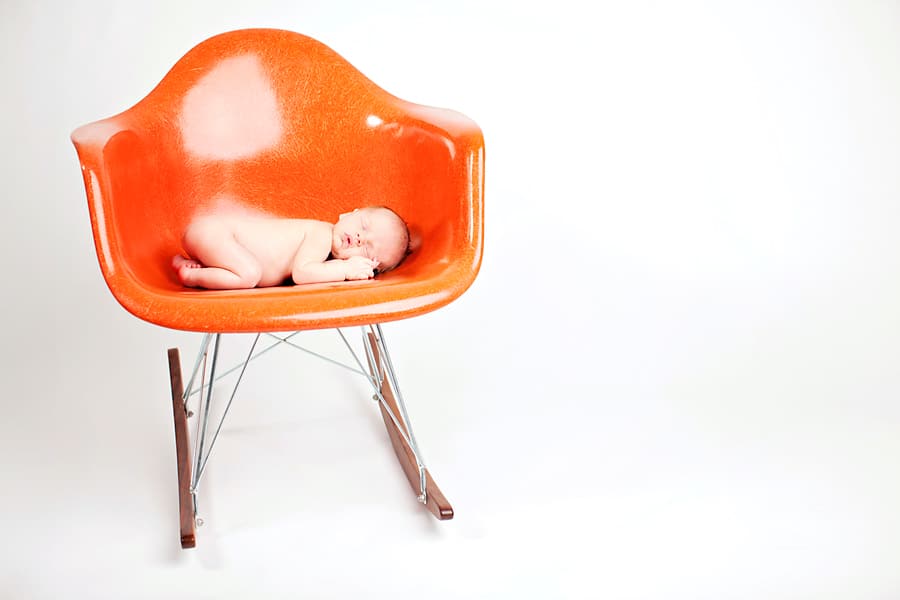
[(234, 251)]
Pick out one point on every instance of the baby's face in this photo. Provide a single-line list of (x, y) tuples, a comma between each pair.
[(374, 233)]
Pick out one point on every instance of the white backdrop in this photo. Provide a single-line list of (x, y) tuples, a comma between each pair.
[(675, 377)]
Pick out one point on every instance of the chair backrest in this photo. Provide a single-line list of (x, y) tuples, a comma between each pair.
[(276, 121)]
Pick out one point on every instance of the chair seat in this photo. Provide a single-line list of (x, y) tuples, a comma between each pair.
[(392, 296), (276, 122)]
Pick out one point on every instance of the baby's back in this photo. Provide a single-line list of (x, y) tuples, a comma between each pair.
[(273, 241)]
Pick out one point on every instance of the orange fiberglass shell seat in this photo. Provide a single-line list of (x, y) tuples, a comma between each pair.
[(274, 121), (279, 122)]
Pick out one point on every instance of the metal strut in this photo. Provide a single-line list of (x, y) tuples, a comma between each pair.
[(380, 372), (406, 430), (376, 376), (200, 459)]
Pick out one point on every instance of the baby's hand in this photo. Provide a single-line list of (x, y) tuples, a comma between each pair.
[(359, 267)]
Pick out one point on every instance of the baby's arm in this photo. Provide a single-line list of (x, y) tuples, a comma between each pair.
[(355, 267), (311, 266)]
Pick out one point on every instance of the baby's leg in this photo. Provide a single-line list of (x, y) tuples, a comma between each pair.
[(220, 261)]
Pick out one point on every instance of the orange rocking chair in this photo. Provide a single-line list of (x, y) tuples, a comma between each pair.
[(275, 121)]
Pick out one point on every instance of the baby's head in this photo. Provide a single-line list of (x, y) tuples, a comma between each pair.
[(374, 232)]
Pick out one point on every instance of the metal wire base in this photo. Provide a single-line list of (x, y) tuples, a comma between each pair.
[(381, 372)]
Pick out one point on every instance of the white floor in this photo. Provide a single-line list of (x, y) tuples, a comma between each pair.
[(676, 376)]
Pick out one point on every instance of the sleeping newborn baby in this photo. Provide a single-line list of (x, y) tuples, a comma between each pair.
[(240, 251)]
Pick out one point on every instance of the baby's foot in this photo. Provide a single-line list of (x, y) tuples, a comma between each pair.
[(185, 268)]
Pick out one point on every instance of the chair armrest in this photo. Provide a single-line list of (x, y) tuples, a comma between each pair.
[(463, 132), (465, 141), (89, 141), (114, 166)]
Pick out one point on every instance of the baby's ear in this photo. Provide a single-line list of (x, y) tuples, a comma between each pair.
[(415, 240)]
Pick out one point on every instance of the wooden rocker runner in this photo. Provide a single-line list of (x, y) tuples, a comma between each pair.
[(275, 121)]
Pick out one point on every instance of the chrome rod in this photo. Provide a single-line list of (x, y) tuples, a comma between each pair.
[(398, 395), (204, 345), (379, 396), (260, 353), (212, 377), (405, 431), (194, 460), (374, 367), (317, 355), (401, 429), (352, 352), (225, 414)]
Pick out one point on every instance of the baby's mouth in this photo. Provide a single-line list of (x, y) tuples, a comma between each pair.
[(346, 240)]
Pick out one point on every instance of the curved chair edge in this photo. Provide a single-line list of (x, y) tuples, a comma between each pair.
[(225, 316), (277, 309)]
